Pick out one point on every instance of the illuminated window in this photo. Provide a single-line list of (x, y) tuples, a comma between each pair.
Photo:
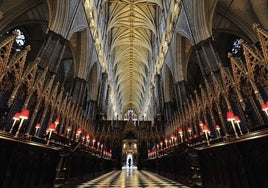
[(236, 47), (20, 39)]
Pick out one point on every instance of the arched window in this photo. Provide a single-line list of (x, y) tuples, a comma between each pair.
[(20, 40), (236, 48)]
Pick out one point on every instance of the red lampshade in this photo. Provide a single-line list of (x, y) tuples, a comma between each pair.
[(230, 116), (94, 140), (205, 128), (200, 123), (264, 106), (87, 136), (69, 128), (51, 127), (218, 127), (79, 130), (24, 114), (16, 116), (189, 129), (57, 121), (237, 120), (180, 130), (161, 143), (38, 125)]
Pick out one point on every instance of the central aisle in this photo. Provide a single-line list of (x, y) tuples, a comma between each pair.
[(130, 177)]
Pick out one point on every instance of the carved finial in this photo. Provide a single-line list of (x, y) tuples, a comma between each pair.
[(255, 26), (241, 41), (28, 47), (1, 14), (15, 33), (38, 59), (229, 55)]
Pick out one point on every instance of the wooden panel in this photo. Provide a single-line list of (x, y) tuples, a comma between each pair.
[(237, 163)]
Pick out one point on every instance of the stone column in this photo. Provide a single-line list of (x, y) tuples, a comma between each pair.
[(79, 91), (168, 110), (158, 95), (52, 51), (103, 94), (181, 94), (207, 57), (91, 112)]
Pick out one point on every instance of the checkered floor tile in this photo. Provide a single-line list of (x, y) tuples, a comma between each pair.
[(131, 178)]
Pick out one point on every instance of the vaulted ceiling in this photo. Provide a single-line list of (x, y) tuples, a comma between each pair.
[(131, 28), (131, 39)]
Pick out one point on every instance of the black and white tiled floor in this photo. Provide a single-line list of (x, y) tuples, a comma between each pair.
[(131, 178)]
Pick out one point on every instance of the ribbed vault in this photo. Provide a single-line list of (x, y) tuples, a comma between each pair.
[(131, 29)]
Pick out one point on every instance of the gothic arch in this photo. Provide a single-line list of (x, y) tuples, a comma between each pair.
[(233, 21), (34, 11), (79, 43), (168, 82), (93, 81)]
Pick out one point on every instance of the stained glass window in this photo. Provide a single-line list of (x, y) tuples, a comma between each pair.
[(236, 47), (20, 39)]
